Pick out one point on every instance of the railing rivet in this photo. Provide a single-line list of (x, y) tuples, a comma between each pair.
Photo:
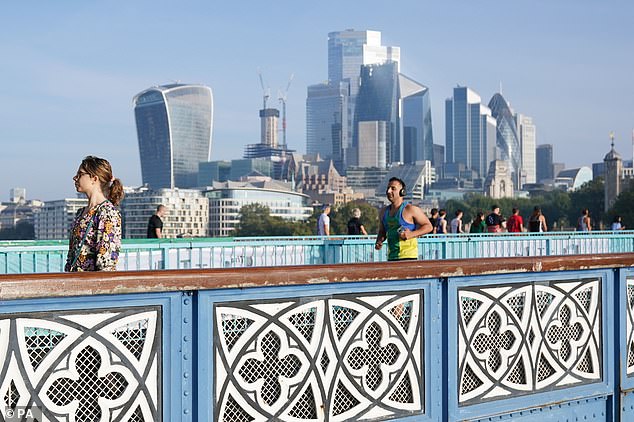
[(185, 374)]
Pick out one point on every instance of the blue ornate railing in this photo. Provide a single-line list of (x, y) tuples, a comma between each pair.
[(489, 339), (50, 256)]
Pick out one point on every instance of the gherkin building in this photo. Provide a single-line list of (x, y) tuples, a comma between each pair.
[(507, 139)]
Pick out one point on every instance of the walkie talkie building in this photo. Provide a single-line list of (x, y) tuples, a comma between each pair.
[(174, 125)]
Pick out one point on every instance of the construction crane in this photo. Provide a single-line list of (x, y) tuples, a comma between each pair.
[(266, 93), (282, 98)]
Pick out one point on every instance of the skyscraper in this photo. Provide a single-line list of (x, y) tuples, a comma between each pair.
[(418, 140), (377, 103), (544, 162), (470, 132), (507, 137), (174, 125), (326, 118), (527, 141), (330, 116)]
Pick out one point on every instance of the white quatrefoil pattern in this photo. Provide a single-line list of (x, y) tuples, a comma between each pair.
[(334, 358), (528, 337), (92, 365)]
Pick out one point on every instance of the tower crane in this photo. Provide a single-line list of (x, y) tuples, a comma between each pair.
[(282, 98), (265, 91)]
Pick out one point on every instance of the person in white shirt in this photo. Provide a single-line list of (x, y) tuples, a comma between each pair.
[(456, 223), (323, 225)]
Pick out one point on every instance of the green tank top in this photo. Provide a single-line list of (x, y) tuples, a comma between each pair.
[(396, 247)]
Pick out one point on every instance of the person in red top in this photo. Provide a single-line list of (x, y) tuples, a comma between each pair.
[(515, 223)]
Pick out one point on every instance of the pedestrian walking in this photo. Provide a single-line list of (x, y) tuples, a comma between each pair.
[(95, 235)]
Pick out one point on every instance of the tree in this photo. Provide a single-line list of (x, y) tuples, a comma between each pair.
[(23, 230), (340, 216), (256, 220), (623, 207), (590, 195)]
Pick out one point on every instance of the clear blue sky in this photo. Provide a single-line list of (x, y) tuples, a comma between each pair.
[(70, 69)]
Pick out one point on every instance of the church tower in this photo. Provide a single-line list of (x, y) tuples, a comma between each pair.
[(613, 171)]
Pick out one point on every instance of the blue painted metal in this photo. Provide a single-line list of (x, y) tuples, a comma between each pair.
[(432, 333), (189, 341), (170, 367), (595, 398), (50, 256), (625, 353)]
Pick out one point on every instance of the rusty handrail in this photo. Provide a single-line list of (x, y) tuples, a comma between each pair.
[(21, 286)]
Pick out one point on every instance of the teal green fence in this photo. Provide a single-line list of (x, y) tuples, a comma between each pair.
[(49, 256)]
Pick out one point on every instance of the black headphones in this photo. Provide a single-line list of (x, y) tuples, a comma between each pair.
[(402, 192)]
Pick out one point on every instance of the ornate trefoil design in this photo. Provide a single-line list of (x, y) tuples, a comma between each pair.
[(629, 327), (525, 338), (83, 365), (334, 358)]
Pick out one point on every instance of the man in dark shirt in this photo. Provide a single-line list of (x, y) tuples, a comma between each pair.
[(494, 220), (155, 225)]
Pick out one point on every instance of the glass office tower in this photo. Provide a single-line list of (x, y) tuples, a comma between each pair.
[(330, 107), (470, 132), (326, 121), (418, 140), (508, 140), (527, 134), (377, 102), (174, 125), (544, 163)]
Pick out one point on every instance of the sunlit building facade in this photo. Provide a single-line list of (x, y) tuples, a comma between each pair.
[(470, 132), (174, 127), (330, 107), (226, 200), (54, 220), (187, 212), (417, 135), (528, 137)]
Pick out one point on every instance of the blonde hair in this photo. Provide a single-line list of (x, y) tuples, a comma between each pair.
[(356, 213)]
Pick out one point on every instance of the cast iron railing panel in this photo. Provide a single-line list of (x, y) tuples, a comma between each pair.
[(84, 365), (331, 358), (525, 338)]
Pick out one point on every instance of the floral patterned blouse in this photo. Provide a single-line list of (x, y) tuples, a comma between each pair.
[(95, 239)]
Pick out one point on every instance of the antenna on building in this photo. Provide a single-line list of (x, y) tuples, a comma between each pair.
[(265, 91), (500, 87), (612, 139), (282, 98)]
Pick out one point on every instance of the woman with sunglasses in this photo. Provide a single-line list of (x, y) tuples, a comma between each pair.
[(95, 236)]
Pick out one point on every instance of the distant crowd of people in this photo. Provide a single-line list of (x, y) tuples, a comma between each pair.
[(494, 222)]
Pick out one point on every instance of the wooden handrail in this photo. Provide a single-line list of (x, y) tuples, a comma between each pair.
[(22, 286)]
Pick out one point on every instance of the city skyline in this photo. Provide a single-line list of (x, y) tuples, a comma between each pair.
[(72, 70)]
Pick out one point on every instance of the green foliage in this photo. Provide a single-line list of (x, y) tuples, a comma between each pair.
[(623, 206), (339, 217), (590, 195), (560, 208), (256, 220), (23, 230)]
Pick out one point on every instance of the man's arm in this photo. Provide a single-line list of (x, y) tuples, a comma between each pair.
[(380, 236), (158, 232), (419, 219)]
